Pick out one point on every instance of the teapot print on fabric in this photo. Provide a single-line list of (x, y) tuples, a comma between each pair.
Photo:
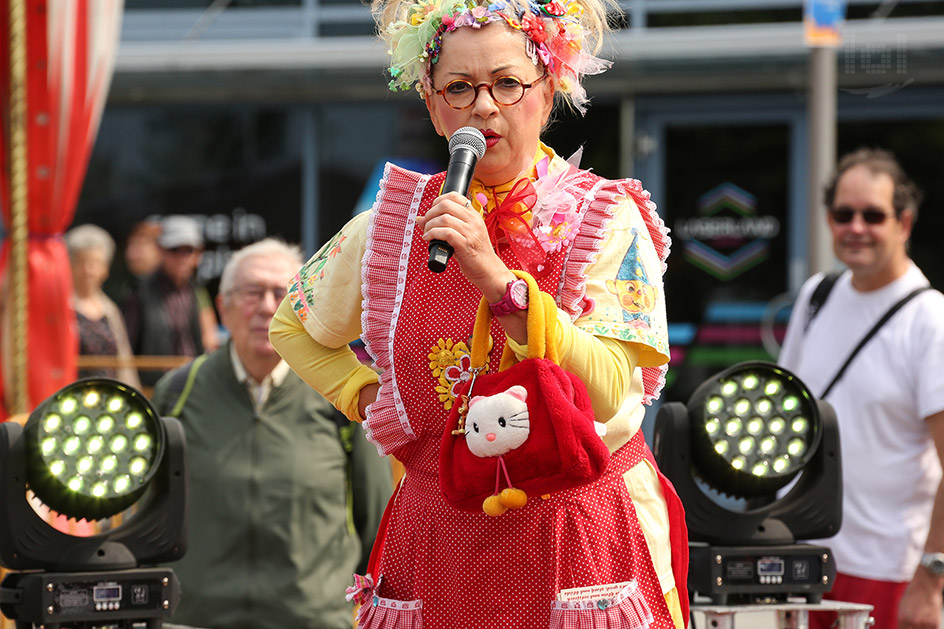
[(494, 426)]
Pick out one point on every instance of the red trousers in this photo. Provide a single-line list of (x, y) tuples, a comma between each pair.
[(884, 597)]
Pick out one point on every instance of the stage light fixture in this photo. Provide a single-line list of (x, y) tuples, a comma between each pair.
[(92, 455), (752, 430), (88, 452), (744, 435)]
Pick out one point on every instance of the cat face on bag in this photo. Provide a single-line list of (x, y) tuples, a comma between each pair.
[(497, 424)]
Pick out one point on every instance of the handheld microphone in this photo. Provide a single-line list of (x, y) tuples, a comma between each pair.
[(466, 147)]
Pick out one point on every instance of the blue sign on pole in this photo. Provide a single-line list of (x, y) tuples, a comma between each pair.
[(821, 19)]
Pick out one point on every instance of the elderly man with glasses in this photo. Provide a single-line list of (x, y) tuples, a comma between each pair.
[(889, 400), (285, 493)]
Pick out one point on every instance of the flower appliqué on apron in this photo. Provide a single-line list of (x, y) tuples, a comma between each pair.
[(451, 364)]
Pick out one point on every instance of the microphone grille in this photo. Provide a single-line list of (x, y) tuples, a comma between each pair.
[(468, 137)]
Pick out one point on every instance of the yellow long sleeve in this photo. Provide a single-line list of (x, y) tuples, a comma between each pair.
[(335, 373), (604, 364)]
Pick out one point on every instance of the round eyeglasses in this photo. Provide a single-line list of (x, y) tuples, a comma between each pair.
[(252, 294), (505, 90)]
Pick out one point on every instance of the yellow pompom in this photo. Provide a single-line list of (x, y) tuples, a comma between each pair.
[(513, 498), (493, 506)]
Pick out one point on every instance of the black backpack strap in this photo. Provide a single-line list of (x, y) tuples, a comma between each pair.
[(888, 315), (819, 296)]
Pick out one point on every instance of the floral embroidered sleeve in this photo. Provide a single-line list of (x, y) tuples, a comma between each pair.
[(624, 287), (326, 292), (322, 314)]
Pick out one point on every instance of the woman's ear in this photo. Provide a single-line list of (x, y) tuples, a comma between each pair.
[(431, 108)]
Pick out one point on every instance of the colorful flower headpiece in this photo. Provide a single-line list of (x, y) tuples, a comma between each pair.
[(555, 38)]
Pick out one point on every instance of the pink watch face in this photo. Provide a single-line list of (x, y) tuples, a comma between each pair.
[(515, 299), (519, 294)]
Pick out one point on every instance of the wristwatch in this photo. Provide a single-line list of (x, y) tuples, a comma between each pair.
[(515, 299), (933, 563)]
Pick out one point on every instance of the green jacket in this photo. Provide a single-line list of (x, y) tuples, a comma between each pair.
[(274, 534)]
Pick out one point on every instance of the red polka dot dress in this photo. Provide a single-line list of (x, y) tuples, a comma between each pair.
[(434, 566)]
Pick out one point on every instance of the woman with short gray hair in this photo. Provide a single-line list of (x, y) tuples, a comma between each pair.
[(100, 324)]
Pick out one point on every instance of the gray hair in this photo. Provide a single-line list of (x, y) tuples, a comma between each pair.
[(88, 237), (267, 247)]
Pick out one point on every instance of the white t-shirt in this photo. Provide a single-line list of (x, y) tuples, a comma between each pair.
[(890, 466)]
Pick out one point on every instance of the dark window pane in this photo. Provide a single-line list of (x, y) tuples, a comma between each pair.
[(597, 132), (238, 169), (726, 204), (357, 139)]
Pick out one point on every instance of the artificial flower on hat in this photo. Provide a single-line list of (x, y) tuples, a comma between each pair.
[(555, 32)]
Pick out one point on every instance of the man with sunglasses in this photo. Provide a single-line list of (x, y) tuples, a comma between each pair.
[(889, 402)]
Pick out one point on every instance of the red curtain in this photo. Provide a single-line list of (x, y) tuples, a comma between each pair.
[(70, 53)]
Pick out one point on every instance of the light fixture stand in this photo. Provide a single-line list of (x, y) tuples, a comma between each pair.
[(117, 599), (750, 574)]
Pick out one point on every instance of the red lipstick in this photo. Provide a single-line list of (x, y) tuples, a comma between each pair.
[(491, 138)]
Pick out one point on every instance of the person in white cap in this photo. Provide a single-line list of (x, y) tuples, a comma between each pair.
[(170, 313)]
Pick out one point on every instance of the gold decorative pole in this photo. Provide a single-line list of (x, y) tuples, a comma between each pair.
[(19, 211), (18, 277)]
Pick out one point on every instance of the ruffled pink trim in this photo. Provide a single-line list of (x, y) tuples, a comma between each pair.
[(657, 228), (653, 378), (383, 277), (626, 610), (586, 250), (385, 613)]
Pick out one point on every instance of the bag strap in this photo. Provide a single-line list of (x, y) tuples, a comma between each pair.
[(888, 315), (819, 297), (346, 437), (542, 328), (182, 383)]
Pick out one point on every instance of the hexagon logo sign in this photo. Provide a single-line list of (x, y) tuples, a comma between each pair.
[(727, 237)]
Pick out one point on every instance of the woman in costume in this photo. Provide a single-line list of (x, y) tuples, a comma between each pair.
[(597, 246)]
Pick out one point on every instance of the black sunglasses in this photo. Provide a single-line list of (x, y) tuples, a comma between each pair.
[(843, 215)]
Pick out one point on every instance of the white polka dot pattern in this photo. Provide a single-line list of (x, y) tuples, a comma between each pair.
[(455, 569), (470, 570)]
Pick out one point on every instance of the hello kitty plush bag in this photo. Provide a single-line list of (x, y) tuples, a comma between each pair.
[(524, 431)]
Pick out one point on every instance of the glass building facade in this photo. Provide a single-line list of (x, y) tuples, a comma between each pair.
[(273, 118)]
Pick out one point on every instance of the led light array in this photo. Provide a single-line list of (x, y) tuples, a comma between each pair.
[(98, 443), (759, 422)]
